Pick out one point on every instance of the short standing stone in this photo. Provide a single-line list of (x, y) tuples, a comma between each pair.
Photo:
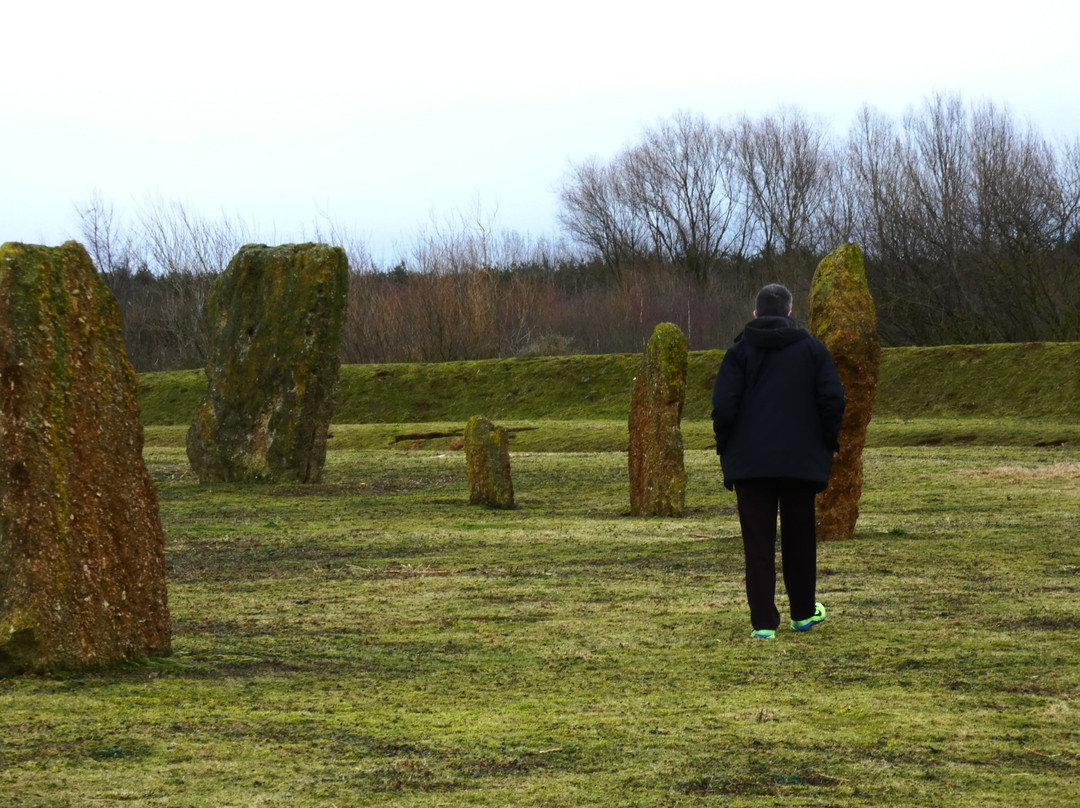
[(82, 571), (274, 318), (657, 475), (842, 316), (487, 454)]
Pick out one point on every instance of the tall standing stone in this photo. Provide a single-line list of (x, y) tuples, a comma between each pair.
[(842, 316), (274, 319), (487, 455), (657, 475), (82, 569)]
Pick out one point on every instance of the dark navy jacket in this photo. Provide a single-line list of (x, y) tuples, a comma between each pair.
[(778, 405)]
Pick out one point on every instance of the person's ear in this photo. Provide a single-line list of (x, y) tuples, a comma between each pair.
[(755, 312)]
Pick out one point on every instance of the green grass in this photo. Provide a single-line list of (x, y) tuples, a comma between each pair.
[(612, 436), (375, 640), (1016, 394), (1015, 380)]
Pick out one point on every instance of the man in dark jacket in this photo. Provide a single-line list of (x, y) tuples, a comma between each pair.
[(778, 405)]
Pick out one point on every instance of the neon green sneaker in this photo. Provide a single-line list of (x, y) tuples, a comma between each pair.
[(763, 634), (810, 622)]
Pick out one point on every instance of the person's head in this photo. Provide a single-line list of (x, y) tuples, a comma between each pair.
[(773, 300)]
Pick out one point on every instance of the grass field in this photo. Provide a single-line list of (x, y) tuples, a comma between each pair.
[(376, 640)]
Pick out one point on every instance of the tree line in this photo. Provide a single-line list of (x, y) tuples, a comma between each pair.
[(969, 225)]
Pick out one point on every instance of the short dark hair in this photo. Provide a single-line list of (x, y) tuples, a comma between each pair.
[(773, 300)]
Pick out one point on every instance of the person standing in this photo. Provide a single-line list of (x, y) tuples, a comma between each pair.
[(778, 406)]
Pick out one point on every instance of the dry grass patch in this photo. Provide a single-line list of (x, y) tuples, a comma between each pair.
[(1046, 471)]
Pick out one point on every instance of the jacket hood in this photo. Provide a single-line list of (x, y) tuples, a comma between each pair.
[(769, 331)]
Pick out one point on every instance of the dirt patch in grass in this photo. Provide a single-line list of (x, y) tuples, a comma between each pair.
[(777, 784)]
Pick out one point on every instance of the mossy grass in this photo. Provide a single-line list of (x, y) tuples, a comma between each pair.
[(375, 640)]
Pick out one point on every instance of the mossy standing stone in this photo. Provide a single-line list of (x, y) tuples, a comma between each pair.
[(842, 316), (487, 455), (657, 474), (82, 570), (274, 318)]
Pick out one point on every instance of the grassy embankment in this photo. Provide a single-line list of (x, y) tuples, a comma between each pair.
[(992, 394), (375, 640)]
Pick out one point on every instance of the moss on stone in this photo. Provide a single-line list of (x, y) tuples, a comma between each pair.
[(842, 316), (655, 456), (275, 318), (487, 458), (80, 539)]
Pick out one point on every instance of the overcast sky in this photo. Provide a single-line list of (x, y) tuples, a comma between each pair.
[(384, 116)]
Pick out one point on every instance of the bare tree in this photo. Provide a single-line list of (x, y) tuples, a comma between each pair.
[(884, 223), (188, 251), (785, 163), (969, 223), (962, 218), (1021, 201), (1065, 209), (684, 186), (119, 258), (937, 171), (873, 159), (102, 233), (597, 213)]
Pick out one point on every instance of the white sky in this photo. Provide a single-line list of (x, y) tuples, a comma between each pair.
[(386, 115)]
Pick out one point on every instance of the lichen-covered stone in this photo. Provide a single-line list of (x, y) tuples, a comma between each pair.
[(657, 475), (82, 571), (842, 316), (274, 319), (487, 455)]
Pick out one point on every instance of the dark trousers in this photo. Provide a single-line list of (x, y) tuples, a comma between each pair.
[(759, 502)]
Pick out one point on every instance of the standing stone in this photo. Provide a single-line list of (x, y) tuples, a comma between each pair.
[(657, 476), (842, 316), (82, 567), (274, 319), (487, 454)]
